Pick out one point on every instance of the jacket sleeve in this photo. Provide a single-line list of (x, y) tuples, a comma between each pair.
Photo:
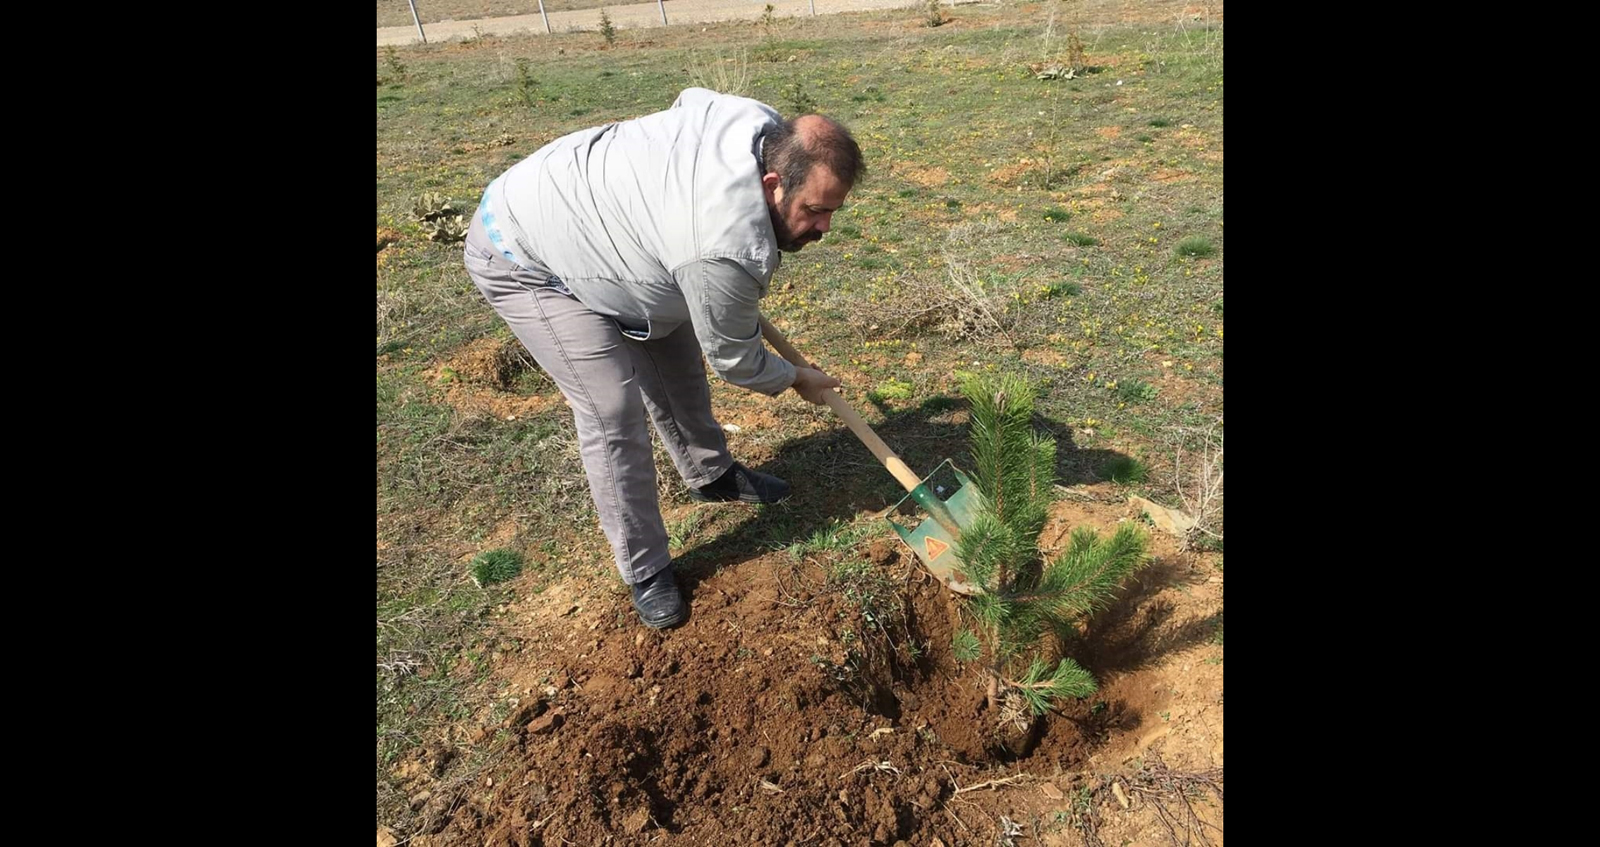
[(693, 98), (724, 305)]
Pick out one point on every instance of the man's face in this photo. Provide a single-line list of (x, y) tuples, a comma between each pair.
[(803, 215)]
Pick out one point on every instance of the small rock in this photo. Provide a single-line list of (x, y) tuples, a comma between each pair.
[(637, 821), (386, 837), (420, 799), (936, 843), (1052, 792), (733, 428), (488, 782), (758, 757), (570, 610), (844, 797), (547, 724), (634, 669), (525, 713), (1170, 521), (1116, 788), (638, 640)]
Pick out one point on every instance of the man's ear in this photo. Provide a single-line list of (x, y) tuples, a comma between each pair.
[(770, 185)]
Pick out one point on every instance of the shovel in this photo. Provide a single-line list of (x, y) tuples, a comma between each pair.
[(933, 539)]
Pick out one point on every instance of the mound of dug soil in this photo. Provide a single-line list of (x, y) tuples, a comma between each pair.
[(802, 703)]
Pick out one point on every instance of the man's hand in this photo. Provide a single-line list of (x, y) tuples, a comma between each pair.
[(810, 382)]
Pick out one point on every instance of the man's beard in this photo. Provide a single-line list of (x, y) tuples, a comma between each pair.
[(788, 242)]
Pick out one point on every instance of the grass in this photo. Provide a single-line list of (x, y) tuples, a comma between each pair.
[(1061, 288), (836, 537), (1135, 391), (892, 389), (679, 533), (492, 566), (872, 591), (1126, 470), (963, 168)]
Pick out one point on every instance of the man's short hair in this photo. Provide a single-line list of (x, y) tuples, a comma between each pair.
[(791, 153)]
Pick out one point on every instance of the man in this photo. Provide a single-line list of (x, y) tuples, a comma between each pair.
[(619, 254)]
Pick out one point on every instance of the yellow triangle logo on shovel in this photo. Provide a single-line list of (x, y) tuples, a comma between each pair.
[(935, 547)]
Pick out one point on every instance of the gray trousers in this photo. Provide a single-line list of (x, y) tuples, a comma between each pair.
[(612, 382)]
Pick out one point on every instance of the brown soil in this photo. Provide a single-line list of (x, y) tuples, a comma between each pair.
[(483, 379), (387, 236), (926, 177), (760, 721)]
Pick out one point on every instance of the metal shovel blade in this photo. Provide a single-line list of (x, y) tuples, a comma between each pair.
[(929, 539)]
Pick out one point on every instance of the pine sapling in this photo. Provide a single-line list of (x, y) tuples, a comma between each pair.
[(1023, 597)]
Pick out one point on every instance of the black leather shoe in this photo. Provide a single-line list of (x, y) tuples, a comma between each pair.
[(658, 601), (742, 484)]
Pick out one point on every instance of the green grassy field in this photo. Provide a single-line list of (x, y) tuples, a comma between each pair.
[(1068, 229)]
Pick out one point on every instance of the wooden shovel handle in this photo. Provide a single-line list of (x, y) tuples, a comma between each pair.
[(902, 474)]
